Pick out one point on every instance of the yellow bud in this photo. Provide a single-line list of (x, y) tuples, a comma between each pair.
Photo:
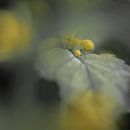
[(87, 45), (77, 53)]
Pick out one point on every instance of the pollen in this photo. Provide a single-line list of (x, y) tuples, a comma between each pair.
[(73, 41), (77, 53), (87, 45)]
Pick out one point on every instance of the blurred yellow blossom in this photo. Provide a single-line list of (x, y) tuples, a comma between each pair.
[(15, 35), (93, 111)]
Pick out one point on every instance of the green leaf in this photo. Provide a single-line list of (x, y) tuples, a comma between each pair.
[(103, 72)]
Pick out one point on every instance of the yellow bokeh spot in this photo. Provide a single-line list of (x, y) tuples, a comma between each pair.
[(87, 45), (93, 111), (15, 35), (77, 53)]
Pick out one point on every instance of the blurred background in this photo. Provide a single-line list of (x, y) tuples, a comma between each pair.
[(27, 101)]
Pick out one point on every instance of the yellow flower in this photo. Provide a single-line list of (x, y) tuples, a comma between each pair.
[(15, 35), (87, 45), (93, 111)]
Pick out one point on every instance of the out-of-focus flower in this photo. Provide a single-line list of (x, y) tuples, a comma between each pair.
[(93, 111), (15, 35)]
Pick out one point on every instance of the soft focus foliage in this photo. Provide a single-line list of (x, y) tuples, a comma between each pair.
[(63, 83), (40, 12), (80, 4)]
